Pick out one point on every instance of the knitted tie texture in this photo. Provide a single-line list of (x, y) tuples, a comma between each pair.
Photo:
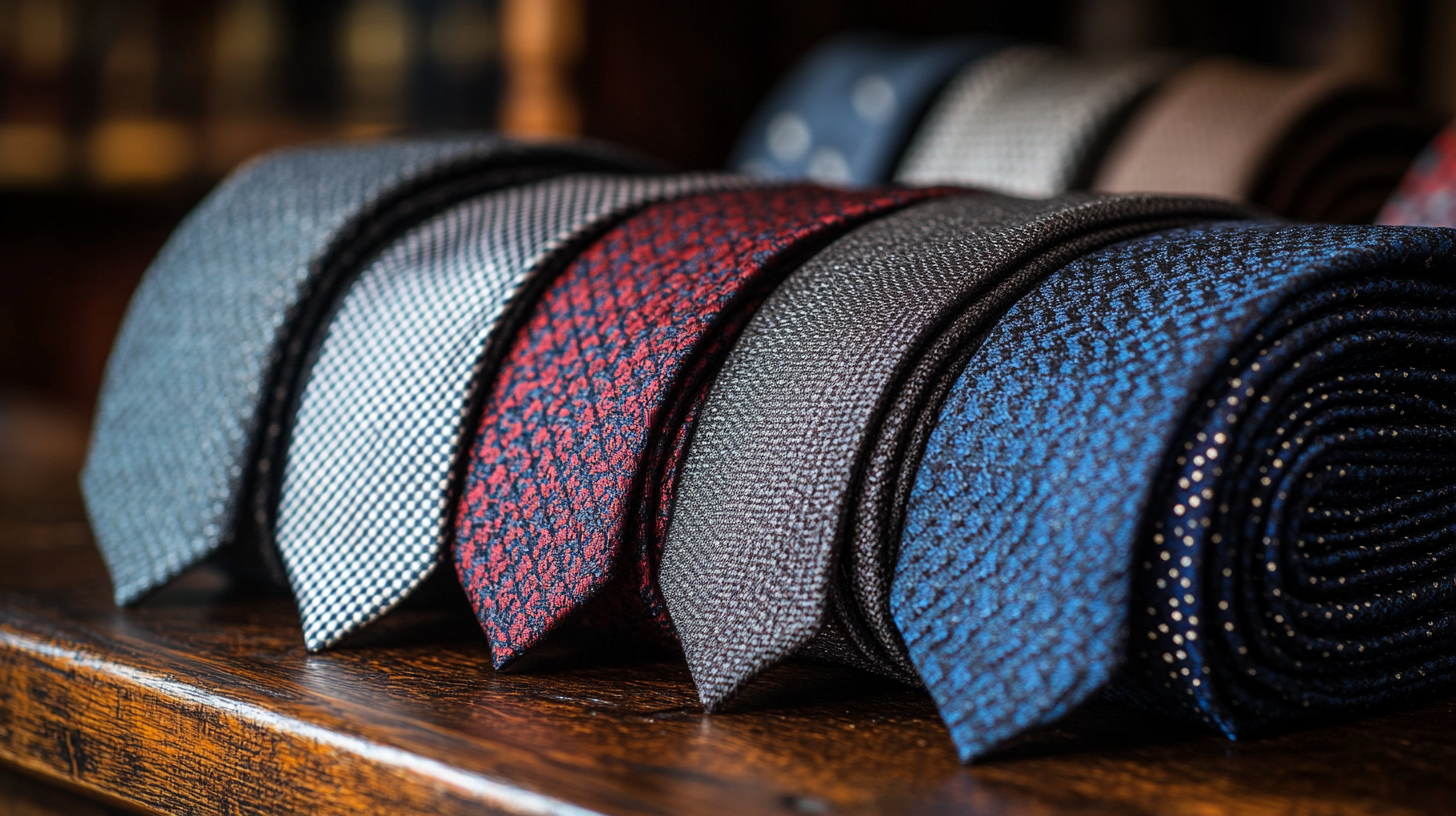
[(572, 471), (373, 453), (1426, 196), (1217, 459), (203, 368), (785, 529)]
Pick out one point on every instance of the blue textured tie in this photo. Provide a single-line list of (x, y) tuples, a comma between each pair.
[(844, 114), (1216, 458)]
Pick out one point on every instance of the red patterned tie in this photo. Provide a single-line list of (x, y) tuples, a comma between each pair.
[(571, 475)]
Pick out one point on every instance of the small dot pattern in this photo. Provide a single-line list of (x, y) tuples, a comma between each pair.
[(376, 442), (572, 473), (1215, 462), (190, 375), (844, 114)]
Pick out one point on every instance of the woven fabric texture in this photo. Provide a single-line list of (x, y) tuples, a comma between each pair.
[(786, 524), (1219, 455), (1026, 121), (573, 469), (1314, 145), (843, 115), (203, 359), (1426, 196), (374, 450)]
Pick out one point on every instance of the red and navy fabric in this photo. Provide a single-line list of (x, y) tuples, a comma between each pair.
[(1426, 196), (572, 471)]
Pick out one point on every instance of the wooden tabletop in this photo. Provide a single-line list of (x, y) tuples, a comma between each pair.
[(202, 700)]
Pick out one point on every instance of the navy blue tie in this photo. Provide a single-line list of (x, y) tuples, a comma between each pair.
[(1216, 459), (845, 113)]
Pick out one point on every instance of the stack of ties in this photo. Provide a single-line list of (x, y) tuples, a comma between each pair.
[(1018, 450)]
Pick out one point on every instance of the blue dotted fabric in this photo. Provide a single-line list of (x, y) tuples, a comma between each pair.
[(1216, 460), (845, 113)]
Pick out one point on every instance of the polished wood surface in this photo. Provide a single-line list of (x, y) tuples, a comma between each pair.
[(202, 700)]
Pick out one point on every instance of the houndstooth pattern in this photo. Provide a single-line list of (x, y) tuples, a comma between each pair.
[(1025, 121), (368, 479)]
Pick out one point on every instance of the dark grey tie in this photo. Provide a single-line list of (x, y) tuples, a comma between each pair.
[(202, 368), (789, 506), (371, 471)]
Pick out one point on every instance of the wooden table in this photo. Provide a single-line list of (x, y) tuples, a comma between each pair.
[(202, 700)]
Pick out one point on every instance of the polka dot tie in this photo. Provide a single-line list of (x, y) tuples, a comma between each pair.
[(201, 373), (571, 475), (374, 450), (843, 115), (1217, 459)]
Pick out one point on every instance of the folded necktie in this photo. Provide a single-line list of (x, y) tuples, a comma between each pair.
[(785, 531), (573, 469), (1317, 145), (203, 367), (1027, 121), (1426, 196), (1221, 455), (374, 451), (843, 115)]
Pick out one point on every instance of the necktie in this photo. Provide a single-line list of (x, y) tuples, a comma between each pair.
[(788, 507), (374, 450), (844, 113), (572, 471), (1221, 455), (204, 361), (1426, 196), (1313, 145), (1026, 121)]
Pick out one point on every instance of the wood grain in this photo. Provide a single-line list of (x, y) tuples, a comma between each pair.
[(202, 700)]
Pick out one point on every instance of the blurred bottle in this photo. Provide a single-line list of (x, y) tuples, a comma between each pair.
[(456, 82), (378, 42), (37, 47), (541, 41)]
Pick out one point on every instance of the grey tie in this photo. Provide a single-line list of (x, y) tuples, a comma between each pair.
[(1027, 121), (203, 364), (372, 458), (786, 526)]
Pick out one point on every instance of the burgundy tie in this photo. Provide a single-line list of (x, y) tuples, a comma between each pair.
[(572, 472)]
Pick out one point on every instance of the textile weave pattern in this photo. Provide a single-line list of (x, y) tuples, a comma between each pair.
[(1160, 443), (577, 452), (1427, 195)]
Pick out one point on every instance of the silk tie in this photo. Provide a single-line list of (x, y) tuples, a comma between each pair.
[(1027, 121), (573, 469), (1316, 146), (1426, 196), (844, 113), (786, 524), (203, 364), (1220, 455), (374, 450)]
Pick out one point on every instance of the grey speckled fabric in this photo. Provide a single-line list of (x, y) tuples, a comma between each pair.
[(1027, 121), (202, 368), (790, 503)]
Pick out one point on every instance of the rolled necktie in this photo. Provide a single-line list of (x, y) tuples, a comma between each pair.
[(205, 359), (843, 115), (1027, 121), (374, 452), (1219, 456), (785, 530), (1316, 145), (1426, 196), (573, 469)]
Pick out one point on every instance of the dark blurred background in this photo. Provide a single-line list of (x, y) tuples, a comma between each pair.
[(117, 115)]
